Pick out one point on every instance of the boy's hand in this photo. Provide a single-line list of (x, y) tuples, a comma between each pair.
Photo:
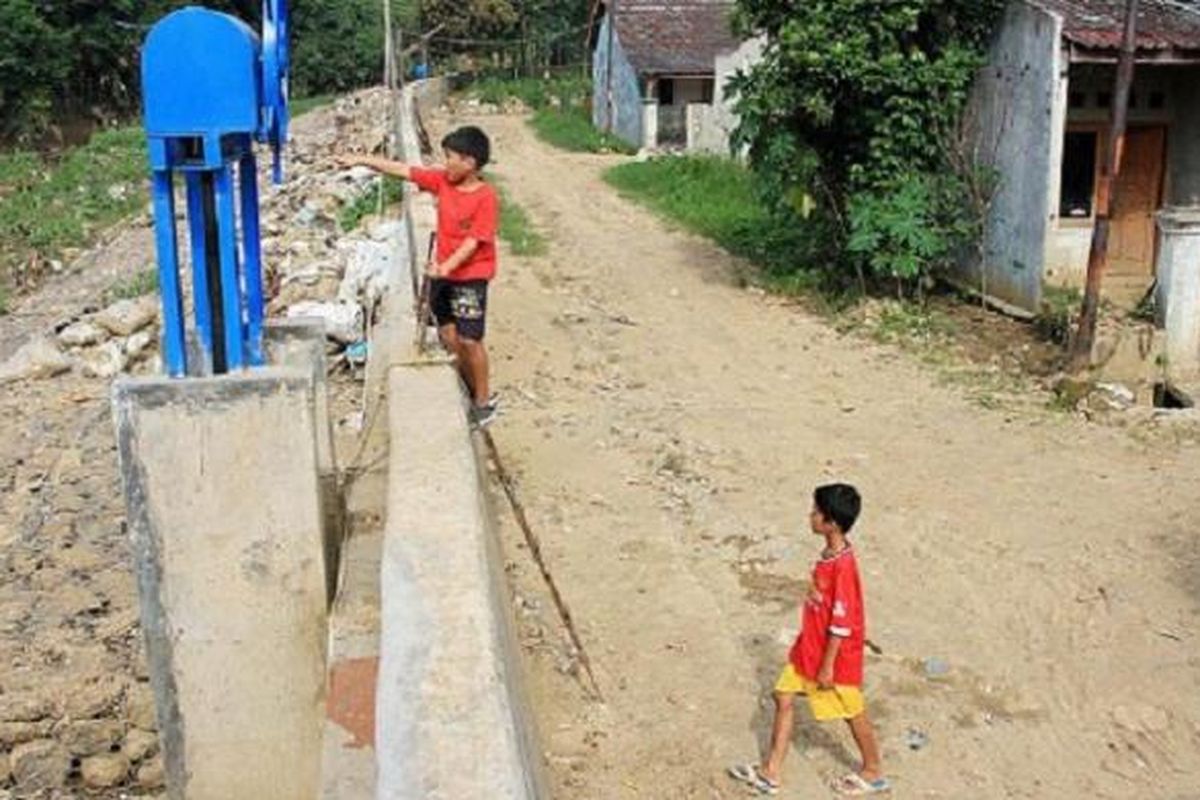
[(435, 270), (825, 677), (348, 162)]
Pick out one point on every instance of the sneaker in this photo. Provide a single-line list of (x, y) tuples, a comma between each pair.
[(482, 416)]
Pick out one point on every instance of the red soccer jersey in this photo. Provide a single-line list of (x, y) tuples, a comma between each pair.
[(461, 216), (833, 607)]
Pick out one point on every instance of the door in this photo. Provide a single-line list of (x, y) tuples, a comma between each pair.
[(1133, 237)]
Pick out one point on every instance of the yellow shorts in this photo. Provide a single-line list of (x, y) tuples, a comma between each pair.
[(840, 702)]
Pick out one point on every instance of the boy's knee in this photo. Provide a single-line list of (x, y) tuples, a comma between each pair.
[(784, 700)]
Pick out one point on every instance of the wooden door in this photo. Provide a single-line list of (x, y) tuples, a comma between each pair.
[(1133, 238)]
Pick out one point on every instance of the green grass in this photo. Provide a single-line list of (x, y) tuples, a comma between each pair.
[(572, 130), (138, 285), (533, 92), (302, 105), (49, 206), (716, 198), (367, 203), (517, 228), (1056, 317)]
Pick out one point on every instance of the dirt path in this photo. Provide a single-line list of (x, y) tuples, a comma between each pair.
[(668, 428)]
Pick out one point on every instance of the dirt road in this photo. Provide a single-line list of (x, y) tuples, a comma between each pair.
[(667, 429)]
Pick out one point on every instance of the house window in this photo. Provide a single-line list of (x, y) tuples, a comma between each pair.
[(1103, 99), (1078, 100), (706, 91), (1078, 175), (1158, 100), (666, 92)]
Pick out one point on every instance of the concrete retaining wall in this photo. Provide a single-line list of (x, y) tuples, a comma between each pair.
[(222, 491), (451, 716)]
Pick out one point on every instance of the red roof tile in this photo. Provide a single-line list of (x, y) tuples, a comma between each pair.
[(681, 38), (1100, 24)]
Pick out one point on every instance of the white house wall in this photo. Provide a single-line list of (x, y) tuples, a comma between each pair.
[(627, 95), (1014, 103), (710, 128)]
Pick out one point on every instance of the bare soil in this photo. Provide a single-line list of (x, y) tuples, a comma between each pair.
[(667, 427)]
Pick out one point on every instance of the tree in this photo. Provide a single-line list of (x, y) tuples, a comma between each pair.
[(846, 107), (33, 66)]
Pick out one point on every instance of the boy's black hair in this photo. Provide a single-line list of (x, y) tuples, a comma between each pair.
[(840, 503), (470, 141)]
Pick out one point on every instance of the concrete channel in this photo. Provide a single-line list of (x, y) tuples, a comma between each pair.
[(426, 694), (317, 629)]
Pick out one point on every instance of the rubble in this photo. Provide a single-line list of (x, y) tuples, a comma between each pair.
[(106, 361), (343, 321), (106, 771), (38, 766), (37, 359), (127, 317), (81, 334)]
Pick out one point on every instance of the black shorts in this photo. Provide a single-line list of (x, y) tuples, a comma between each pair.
[(461, 304)]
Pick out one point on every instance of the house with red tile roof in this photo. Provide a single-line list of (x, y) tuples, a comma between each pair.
[(659, 68)]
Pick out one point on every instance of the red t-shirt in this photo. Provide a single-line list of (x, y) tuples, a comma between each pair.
[(833, 607), (461, 216)]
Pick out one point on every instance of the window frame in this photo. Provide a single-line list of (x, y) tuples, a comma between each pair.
[(1101, 137)]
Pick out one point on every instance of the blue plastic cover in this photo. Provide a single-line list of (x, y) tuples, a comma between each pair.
[(200, 75)]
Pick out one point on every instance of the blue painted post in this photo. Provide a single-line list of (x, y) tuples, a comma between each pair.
[(211, 89), (200, 289), (174, 354), (252, 266), (230, 280)]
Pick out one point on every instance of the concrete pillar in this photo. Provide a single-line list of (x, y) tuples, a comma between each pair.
[(1178, 292), (222, 493), (299, 343), (650, 115)]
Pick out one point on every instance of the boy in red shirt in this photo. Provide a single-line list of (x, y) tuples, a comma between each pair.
[(826, 661), (468, 211)]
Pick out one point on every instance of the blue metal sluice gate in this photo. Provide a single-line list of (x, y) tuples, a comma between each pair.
[(211, 88)]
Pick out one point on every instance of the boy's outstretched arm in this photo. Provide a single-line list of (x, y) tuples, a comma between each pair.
[(396, 169)]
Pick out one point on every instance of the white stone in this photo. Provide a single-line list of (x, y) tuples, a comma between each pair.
[(106, 771), (127, 317), (38, 358), (368, 274), (343, 321), (105, 361), (81, 334), (139, 344)]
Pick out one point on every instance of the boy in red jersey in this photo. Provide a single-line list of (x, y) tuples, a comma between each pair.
[(826, 661), (465, 262)]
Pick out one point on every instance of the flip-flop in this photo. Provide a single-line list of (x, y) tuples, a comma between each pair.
[(749, 774), (855, 785)]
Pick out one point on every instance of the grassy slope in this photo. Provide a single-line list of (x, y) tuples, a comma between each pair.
[(50, 206), (572, 130), (715, 197)]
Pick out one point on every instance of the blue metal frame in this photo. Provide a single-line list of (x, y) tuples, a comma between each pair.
[(211, 89)]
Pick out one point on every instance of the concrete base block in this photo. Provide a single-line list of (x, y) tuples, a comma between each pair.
[(222, 491), (299, 343), (451, 716), (1179, 290)]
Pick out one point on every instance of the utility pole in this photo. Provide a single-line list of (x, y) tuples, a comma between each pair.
[(1081, 349)]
